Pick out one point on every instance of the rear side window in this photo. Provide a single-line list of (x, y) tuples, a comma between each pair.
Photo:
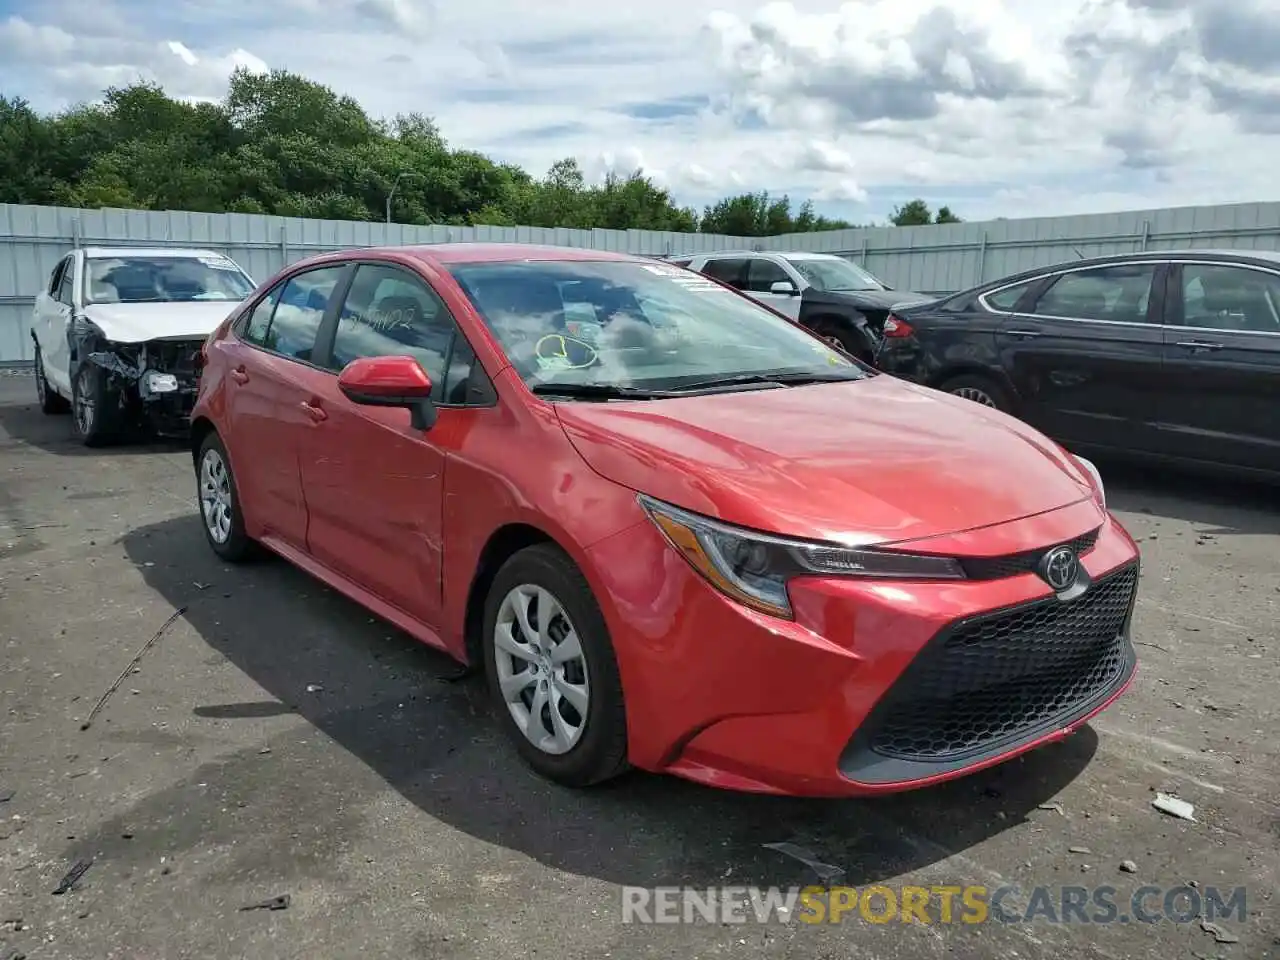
[(732, 272), (255, 328), (1008, 298), (66, 285), (304, 298)]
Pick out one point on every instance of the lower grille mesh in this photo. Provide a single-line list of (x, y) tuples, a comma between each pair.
[(995, 678)]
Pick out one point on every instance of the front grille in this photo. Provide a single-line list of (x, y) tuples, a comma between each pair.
[(1013, 564), (995, 679)]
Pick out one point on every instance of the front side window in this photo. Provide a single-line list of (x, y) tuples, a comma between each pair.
[(657, 327), (762, 274), (834, 274), (164, 280), (1117, 294), (259, 320), (390, 313), (1221, 297), (304, 298), (55, 281)]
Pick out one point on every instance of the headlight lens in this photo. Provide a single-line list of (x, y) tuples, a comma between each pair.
[(754, 568), (1091, 469)]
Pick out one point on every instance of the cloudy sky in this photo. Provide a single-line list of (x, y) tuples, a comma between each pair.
[(995, 107)]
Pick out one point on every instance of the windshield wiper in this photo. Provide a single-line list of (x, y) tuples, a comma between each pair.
[(597, 391), (788, 379)]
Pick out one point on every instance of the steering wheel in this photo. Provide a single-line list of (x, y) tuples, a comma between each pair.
[(553, 350)]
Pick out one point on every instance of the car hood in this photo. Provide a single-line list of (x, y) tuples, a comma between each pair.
[(871, 461), (876, 299), (138, 322)]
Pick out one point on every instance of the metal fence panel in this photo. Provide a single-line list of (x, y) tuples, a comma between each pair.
[(929, 259)]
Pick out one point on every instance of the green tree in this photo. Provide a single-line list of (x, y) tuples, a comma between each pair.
[(279, 143)]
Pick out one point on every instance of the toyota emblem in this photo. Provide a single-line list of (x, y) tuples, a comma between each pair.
[(1061, 567)]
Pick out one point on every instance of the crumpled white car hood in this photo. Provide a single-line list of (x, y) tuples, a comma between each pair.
[(138, 322)]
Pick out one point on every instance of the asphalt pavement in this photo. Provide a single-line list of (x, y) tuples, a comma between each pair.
[(276, 740)]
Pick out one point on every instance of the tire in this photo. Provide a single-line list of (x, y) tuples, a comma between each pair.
[(216, 489), (597, 751), (95, 407), (839, 336), (979, 389), (51, 401)]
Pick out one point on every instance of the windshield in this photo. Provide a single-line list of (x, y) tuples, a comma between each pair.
[(164, 279), (636, 325), (835, 275)]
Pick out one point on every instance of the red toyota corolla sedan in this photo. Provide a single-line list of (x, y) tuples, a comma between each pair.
[(679, 532)]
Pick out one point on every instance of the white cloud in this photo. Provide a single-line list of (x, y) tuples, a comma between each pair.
[(993, 107)]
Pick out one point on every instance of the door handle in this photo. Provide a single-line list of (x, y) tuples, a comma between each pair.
[(239, 374), (1199, 345), (1024, 334), (314, 411)]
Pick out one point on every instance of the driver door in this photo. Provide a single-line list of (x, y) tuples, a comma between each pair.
[(762, 274)]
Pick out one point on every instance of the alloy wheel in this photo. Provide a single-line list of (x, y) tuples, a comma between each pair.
[(541, 668), (975, 394), (215, 496), (86, 409)]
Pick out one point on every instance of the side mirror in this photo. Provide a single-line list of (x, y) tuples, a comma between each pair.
[(390, 382), (784, 287)]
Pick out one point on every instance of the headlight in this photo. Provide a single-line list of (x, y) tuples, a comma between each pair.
[(754, 568), (1091, 469)]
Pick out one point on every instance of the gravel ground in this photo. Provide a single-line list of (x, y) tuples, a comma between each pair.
[(277, 740)]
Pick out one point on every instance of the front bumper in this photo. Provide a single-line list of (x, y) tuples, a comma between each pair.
[(875, 687)]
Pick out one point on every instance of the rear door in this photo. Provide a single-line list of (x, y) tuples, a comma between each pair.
[(275, 373), (1222, 347), (1085, 352), (54, 309), (762, 274)]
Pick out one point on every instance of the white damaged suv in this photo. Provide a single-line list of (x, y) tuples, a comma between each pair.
[(118, 334)]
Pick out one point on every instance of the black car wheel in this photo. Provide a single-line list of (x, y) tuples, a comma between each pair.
[(50, 400), (95, 407), (979, 389), (849, 341)]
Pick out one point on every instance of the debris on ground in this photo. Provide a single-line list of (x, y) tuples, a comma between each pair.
[(1174, 807), (314, 688), (1055, 806), (132, 667), (6, 796), (72, 877), (275, 903), (1219, 934), (1128, 866), (13, 954), (825, 871), (1078, 850)]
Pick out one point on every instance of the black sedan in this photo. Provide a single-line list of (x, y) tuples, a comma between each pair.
[(1173, 355)]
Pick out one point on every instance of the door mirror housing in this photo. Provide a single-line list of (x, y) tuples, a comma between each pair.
[(390, 382), (784, 287)]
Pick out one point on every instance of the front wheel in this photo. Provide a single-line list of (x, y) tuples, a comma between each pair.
[(95, 407), (552, 670), (847, 341)]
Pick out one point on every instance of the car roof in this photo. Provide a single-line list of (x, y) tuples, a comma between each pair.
[(789, 254), (479, 252), (97, 253)]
